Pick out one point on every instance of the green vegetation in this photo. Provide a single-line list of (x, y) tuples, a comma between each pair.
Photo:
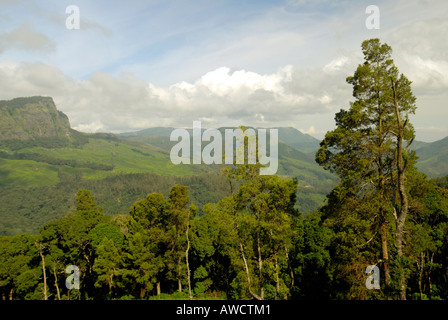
[(164, 249), (432, 158), (378, 209), (38, 182), (158, 231), (252, 243)]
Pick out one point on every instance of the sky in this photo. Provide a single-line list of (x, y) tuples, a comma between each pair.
[(136, 64)]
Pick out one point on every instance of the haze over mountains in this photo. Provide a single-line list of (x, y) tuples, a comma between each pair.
[(43, 162), (432, 155), (288, 135)]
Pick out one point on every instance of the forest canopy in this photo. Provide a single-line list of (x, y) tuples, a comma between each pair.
[(254, 243)]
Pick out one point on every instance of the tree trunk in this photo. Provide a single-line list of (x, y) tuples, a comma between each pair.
[(246, 268), (260, 265), (39, 248), (385, 254), (158, 288), (179, 280), (381, 187), (142, 292), (277, 280), (291, 272), (429, 275), (401, 179), (111, 283), (45, 275), (186, 259), (421, 266), (56, 282)]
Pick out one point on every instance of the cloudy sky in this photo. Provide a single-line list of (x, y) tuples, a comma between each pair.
[(138, 64)]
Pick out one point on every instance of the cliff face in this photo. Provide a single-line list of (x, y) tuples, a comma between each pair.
[(32, 118)]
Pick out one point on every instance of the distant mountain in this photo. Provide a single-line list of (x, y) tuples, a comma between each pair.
[(298, 140), (433, 158), (295, 158), (43, 162), (289, 135), (156, 131)]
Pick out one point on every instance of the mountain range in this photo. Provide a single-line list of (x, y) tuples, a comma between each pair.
[(43, 162), (288, 135), (431, 155)]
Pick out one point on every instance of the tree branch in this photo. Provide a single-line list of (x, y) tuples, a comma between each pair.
[(364, 244)]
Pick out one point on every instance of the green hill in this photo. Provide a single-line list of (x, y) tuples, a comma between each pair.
[(41, 170), (433, 158), (314, 182), (288, 135), (43, 162), (298, 140), (156, 131), (292, 161)]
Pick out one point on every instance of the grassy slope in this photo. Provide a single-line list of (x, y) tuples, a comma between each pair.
[(314, 182), (41, 191), (26, 173), (124, 156), (432, 158)]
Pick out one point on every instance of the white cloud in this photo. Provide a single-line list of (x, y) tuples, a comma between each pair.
[(221, 97), (336, 64), (269, 65), (311, 130), (427, 74), (325, 99), (94, 126)]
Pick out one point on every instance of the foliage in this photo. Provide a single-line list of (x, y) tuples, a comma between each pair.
[(238, 235)]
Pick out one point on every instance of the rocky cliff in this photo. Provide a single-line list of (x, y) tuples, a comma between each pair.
[(32, 118)]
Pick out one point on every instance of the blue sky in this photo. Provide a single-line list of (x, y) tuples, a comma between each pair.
[(138, 64)]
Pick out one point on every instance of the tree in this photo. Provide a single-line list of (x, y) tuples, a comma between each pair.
[(19, 267), (87, 208), (215, 249), (108, 242), (40, 248), (143, 254), (179, 221), (106, 264), (261, 208), (367, 149), (140, 266), (310, 258), (404, 104), (426, 238), (69, 240)]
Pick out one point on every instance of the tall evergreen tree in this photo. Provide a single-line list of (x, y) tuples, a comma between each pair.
[(369, 147)]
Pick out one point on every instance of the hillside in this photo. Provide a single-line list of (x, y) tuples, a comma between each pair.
[(43, 162), (298, 140), (433, 158), (41, 170), (288, 135)]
